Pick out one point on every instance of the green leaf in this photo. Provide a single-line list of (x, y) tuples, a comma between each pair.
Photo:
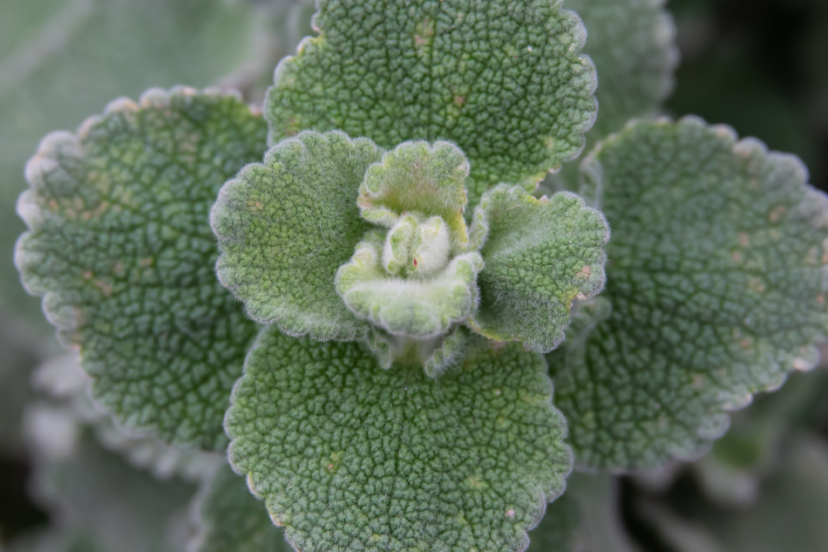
[(422, 179), (632, 43), (416, 308), (540, 256), (348, 456), (121, 248), (229, 518), (505, 81), (716, 284), (285, 227), (61, 60)]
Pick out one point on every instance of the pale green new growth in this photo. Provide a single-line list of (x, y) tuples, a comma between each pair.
[(229, 518), (716, 285), (416, 308), (348, 456), (120, 247), (505, 81), (421, 179), (285, 227), (450, 352), (540, 256)]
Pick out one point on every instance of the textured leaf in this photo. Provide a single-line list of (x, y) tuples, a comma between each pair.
[(419, 178), (61, 60), (632, 43), (540, 256), (287, 225), (348, 456), (229, 518), (121, 248), (417, 308), (715, 281), (505, 81)]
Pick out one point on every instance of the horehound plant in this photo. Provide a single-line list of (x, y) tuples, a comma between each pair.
[(366, 292)]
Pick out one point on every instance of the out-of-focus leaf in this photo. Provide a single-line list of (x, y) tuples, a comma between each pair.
[(585, 519), (61, 60), (88, 489), (229, 518), (789, 515)]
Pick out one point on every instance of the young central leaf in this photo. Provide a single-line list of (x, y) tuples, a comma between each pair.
[(348, 456), (422, 179), (412, 281), (505, 81)]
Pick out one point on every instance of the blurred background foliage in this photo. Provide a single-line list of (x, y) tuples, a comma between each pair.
[(70, 481)]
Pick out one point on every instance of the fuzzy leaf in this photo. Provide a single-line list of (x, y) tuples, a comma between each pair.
[(229, 518), (716, 284), (287, 225), (348, 456), (121, 249), (421, 178), (540, 256), (417, 308), (505, 81)]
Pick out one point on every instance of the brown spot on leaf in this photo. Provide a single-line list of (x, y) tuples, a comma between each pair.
[(777, 213), (744, 239)]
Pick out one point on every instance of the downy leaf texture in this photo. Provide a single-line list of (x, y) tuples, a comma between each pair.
[(229, 518), (286, 226), (541, 255), (121, 249), (348, 456), (505, 81), (715, 285)]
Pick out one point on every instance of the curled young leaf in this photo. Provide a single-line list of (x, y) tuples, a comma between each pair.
[(422, 178), (121, 249), (413, 307), (348, 456), (284, 228), (505, 81), (716, 282), (540, 255)]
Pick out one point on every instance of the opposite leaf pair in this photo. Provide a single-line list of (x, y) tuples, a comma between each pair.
[(288, 228)]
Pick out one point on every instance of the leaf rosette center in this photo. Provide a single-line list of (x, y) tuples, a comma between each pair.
[(417, 278)]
